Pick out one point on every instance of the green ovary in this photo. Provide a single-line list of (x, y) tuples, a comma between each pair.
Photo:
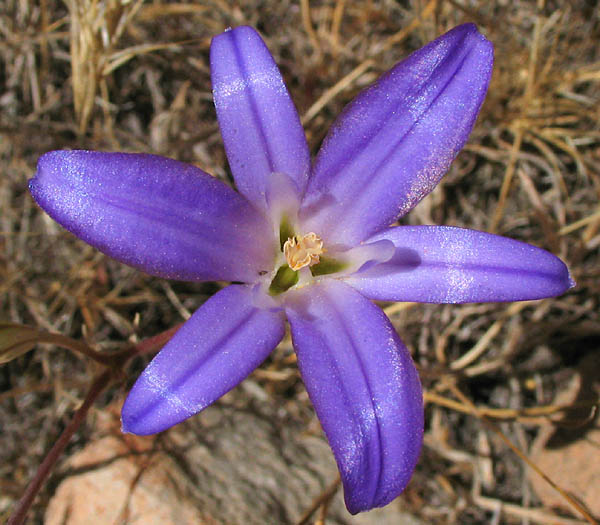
[(284, 279)]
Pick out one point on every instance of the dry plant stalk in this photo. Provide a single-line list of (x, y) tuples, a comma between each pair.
[(96, 27)]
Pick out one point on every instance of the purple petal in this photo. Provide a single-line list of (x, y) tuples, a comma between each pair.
[(392, 144), (442, 264), (166, 218), (259, 123), (223, 342), (365, 389)]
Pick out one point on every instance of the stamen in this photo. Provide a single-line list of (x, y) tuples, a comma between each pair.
[(304, 250)]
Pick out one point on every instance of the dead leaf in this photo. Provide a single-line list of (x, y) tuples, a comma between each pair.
[(16, 340)]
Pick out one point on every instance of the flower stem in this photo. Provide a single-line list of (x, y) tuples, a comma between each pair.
[(102, 380), (154, 343), (74, 345), (97, 387), (322, 499)]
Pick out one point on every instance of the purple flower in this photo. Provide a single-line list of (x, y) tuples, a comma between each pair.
[(309, 242)]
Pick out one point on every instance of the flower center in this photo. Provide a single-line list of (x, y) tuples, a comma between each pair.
[(303, 250)]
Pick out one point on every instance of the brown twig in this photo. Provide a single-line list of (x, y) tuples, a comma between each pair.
[(154, 343), (310, 30), (527, 415), (520, 132), (494, 428), (113, 362), (322, 499), (20, 512), (75, 346)]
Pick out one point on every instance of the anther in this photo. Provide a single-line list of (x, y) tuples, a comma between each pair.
[(303, 250)]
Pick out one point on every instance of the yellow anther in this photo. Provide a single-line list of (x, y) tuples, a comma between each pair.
[(303, 250)]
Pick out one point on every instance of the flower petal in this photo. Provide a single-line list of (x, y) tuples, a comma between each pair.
[(223, 342), (443, 264), (166, 218), (390, 147), (364, 386), (259, 123)]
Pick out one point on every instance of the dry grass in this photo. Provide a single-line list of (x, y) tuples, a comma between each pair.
[(133, 76)]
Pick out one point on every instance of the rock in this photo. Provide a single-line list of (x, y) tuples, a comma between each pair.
[(575, 468), (567, 451), (225, 465), (114, 486)]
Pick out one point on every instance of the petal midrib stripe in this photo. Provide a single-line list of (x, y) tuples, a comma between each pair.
[(363, 192), (365, 375), (249, 93), (209, 354), (376, 130)]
